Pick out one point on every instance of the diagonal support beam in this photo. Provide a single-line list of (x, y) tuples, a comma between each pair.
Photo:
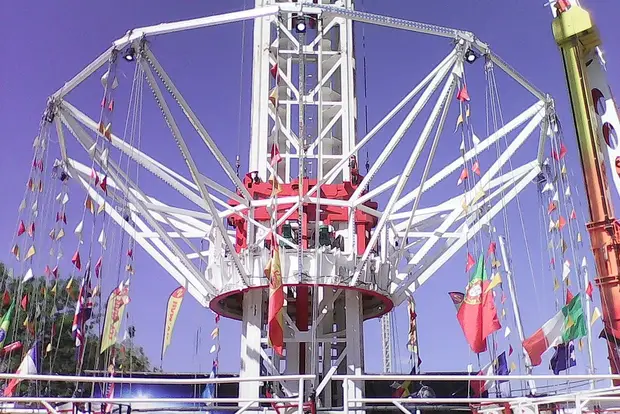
[(193, 169), (193, 119)]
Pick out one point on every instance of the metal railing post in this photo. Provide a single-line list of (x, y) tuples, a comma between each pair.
[(300, 409), (345, 395)]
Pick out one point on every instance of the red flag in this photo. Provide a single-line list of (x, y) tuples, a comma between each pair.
[(492, 247), (275, 154), (6, 299), (76, 260), (24, 303), (470, 262), (477, 315), (561, 223), (98, 266), (21, 229), (573, 215), (462, 94), (589, 290), (552, 207), (569, 296), (104, 184), (476, 168)]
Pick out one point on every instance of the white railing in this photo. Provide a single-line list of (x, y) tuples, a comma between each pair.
[(576, 401)]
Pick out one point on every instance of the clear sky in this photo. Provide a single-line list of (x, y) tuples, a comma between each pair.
[(45, 43)]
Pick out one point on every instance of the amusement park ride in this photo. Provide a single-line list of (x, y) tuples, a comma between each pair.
[(302, 259)]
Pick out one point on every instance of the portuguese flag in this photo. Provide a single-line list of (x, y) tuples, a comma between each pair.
[(477, 314), (567, 325)]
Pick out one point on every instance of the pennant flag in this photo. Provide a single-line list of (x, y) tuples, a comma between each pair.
[(552, 207), (477, 315), (476, 168), (275, 154), (464, 175), (76, 260), (589, 290), (462, 95), (172, 312), (275, 323), (21, 229), (596, 314), (24, 302), (104, 182), (6, 298), (491, 249), (102, 239), (31, 252), (563, 358), (28, 276), (15, 251), (5, 324), (98, 266), (470, 262), (61, 234), (28, 366), (565, 326)]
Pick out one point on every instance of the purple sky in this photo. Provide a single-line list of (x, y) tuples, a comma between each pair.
[(46, 43)]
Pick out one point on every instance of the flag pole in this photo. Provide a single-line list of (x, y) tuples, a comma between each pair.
[(515, 308)]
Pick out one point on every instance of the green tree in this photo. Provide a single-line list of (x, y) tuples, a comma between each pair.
[(48, 318)]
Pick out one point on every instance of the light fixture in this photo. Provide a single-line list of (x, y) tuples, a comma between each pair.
[(299, 23), (470, 56), (130, 55)]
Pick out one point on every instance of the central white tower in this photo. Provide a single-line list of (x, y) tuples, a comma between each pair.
[(304, 111)]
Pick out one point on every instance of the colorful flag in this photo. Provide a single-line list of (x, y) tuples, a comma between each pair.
[(172, 311), (497, 367), (115, 310), (275, 323), (83, 310), (565, 326), (29, 366), (5, 324), (563, 358), (477, 314)]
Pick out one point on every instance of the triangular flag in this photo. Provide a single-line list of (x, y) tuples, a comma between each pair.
[(31, 230), (507, 332), (561, 223), (60, 234), (459, 122), (513, 366), (24, 302), (102, 239), (491, 249), (567, 193), (462, 177), (28, 276), (462, 95), (476, 168), (470, 262), (595, 316), (78, 230), (552, 207), (76, 260), (21, 229), (589, 290), (15, 251), (31, 251)]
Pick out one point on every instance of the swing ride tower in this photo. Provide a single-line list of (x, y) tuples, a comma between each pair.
[(302, 246)]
